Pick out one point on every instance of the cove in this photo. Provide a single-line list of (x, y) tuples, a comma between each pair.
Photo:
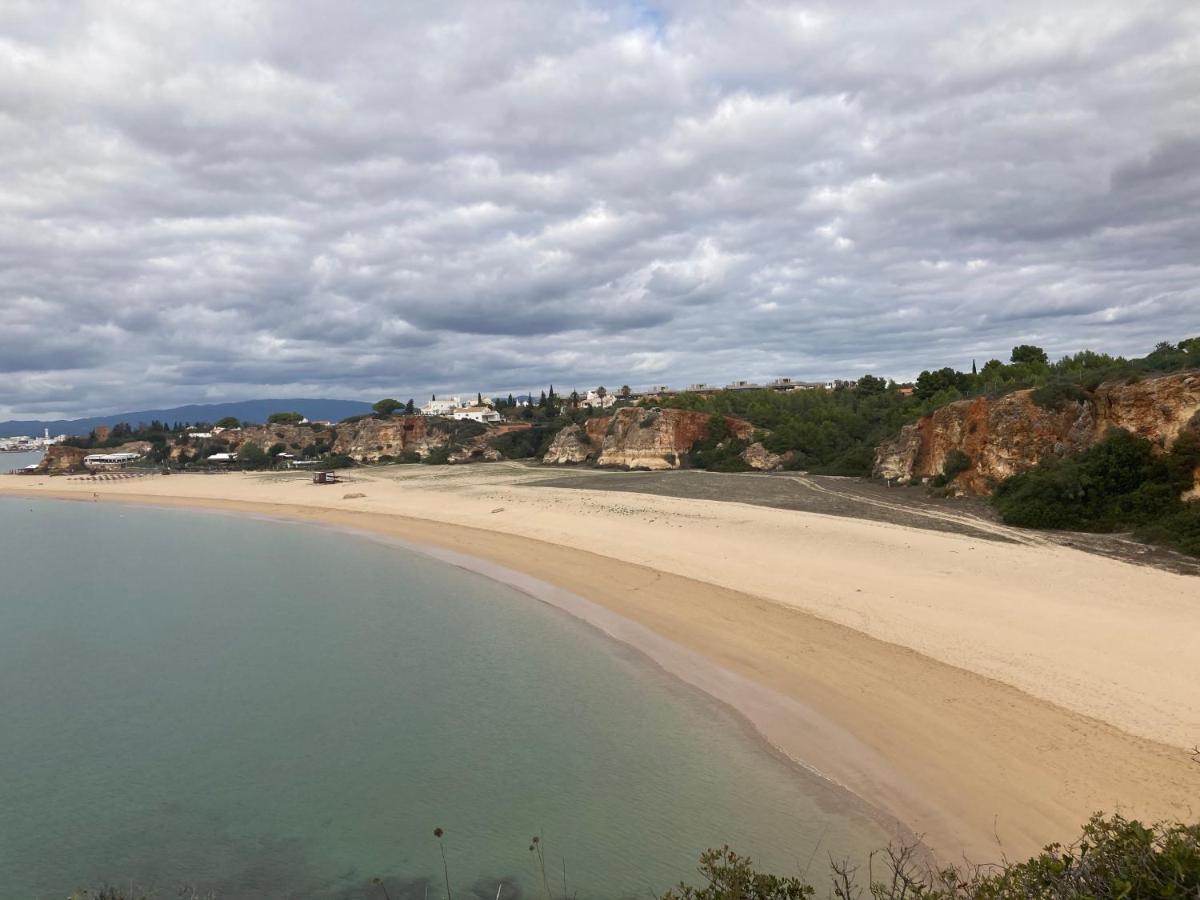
[(263, 709)]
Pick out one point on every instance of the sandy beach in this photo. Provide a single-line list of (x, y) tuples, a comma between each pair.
[(972, 690)]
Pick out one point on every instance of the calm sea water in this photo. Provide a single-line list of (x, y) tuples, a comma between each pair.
[(264, 710), (11, 461)]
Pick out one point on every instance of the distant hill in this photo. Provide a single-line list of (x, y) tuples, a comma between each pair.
[(245, 410)]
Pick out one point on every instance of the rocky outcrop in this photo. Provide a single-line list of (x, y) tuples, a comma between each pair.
[(571, 446), (60, 459), (637, 438), (365, 440), (371, 439), (1011, 434), (756, 456)]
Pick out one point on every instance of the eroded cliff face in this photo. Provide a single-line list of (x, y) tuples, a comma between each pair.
[(367, 440), (572, 445), (1011, 434), (637, 438)]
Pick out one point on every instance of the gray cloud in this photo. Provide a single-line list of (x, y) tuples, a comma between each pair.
[(354, 200)]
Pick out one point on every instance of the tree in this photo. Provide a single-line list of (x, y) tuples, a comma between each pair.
[(478, 398), (252, 456), (227, 422), (410, 408), (384, 408), (931, 383), (601, 392), (870, 384), (285, 418), (1028, 353), (625, 392)]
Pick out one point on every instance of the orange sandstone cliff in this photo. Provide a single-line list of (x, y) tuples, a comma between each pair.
[(1011, 434), (637, 438)]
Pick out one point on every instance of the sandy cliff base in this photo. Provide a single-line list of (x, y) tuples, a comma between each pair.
[(971, 689)]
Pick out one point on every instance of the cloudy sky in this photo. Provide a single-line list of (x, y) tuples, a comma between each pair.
[(205, 201)]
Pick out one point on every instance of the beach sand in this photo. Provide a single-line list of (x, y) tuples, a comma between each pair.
[(987, 695)]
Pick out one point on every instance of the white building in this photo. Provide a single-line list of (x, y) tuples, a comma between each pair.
[(593, 400), (484, 414), (109, 460), (443, 407)]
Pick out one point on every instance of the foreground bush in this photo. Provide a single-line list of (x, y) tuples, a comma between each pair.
[(1115, 859)]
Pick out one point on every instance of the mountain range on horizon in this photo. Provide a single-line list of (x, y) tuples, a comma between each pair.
[(243, 410)]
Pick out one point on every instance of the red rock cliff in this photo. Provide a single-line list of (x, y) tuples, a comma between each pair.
[(637, 438), (1010, 434)]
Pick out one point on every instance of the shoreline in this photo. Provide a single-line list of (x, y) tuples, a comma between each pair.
[(759, 710), (948, 754)]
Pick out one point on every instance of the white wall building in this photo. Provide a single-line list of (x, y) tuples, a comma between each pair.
[(484, 414), (109, 460), (443, 407), (593, 400)]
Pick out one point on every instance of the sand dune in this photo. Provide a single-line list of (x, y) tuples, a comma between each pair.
[(968, 688)]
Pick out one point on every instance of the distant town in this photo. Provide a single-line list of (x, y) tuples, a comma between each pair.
[(26, 444)]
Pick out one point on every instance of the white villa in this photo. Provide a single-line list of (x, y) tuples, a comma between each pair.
[(462, 408), (484, 414), (443, 407), (593, 400)]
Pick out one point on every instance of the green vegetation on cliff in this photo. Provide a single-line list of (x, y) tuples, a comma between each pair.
[(836, 431), (832, 432), (1120, 484)]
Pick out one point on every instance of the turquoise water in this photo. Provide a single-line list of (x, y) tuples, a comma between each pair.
[(265, 710)]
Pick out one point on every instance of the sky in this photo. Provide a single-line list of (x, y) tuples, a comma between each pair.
[(220, 201)]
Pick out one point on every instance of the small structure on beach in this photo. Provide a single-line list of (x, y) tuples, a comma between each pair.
[(110, 460), (326, 478)]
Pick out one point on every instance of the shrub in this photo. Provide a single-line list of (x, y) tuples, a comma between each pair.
[(956, 463), (1114, 859), (1057, 394), (1120, 483)]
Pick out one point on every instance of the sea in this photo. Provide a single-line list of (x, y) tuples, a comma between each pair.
[(245, 708), (11, 461)]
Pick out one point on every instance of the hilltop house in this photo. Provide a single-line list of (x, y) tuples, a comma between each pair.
[(443, 407), (484, 414), (593, 400)]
